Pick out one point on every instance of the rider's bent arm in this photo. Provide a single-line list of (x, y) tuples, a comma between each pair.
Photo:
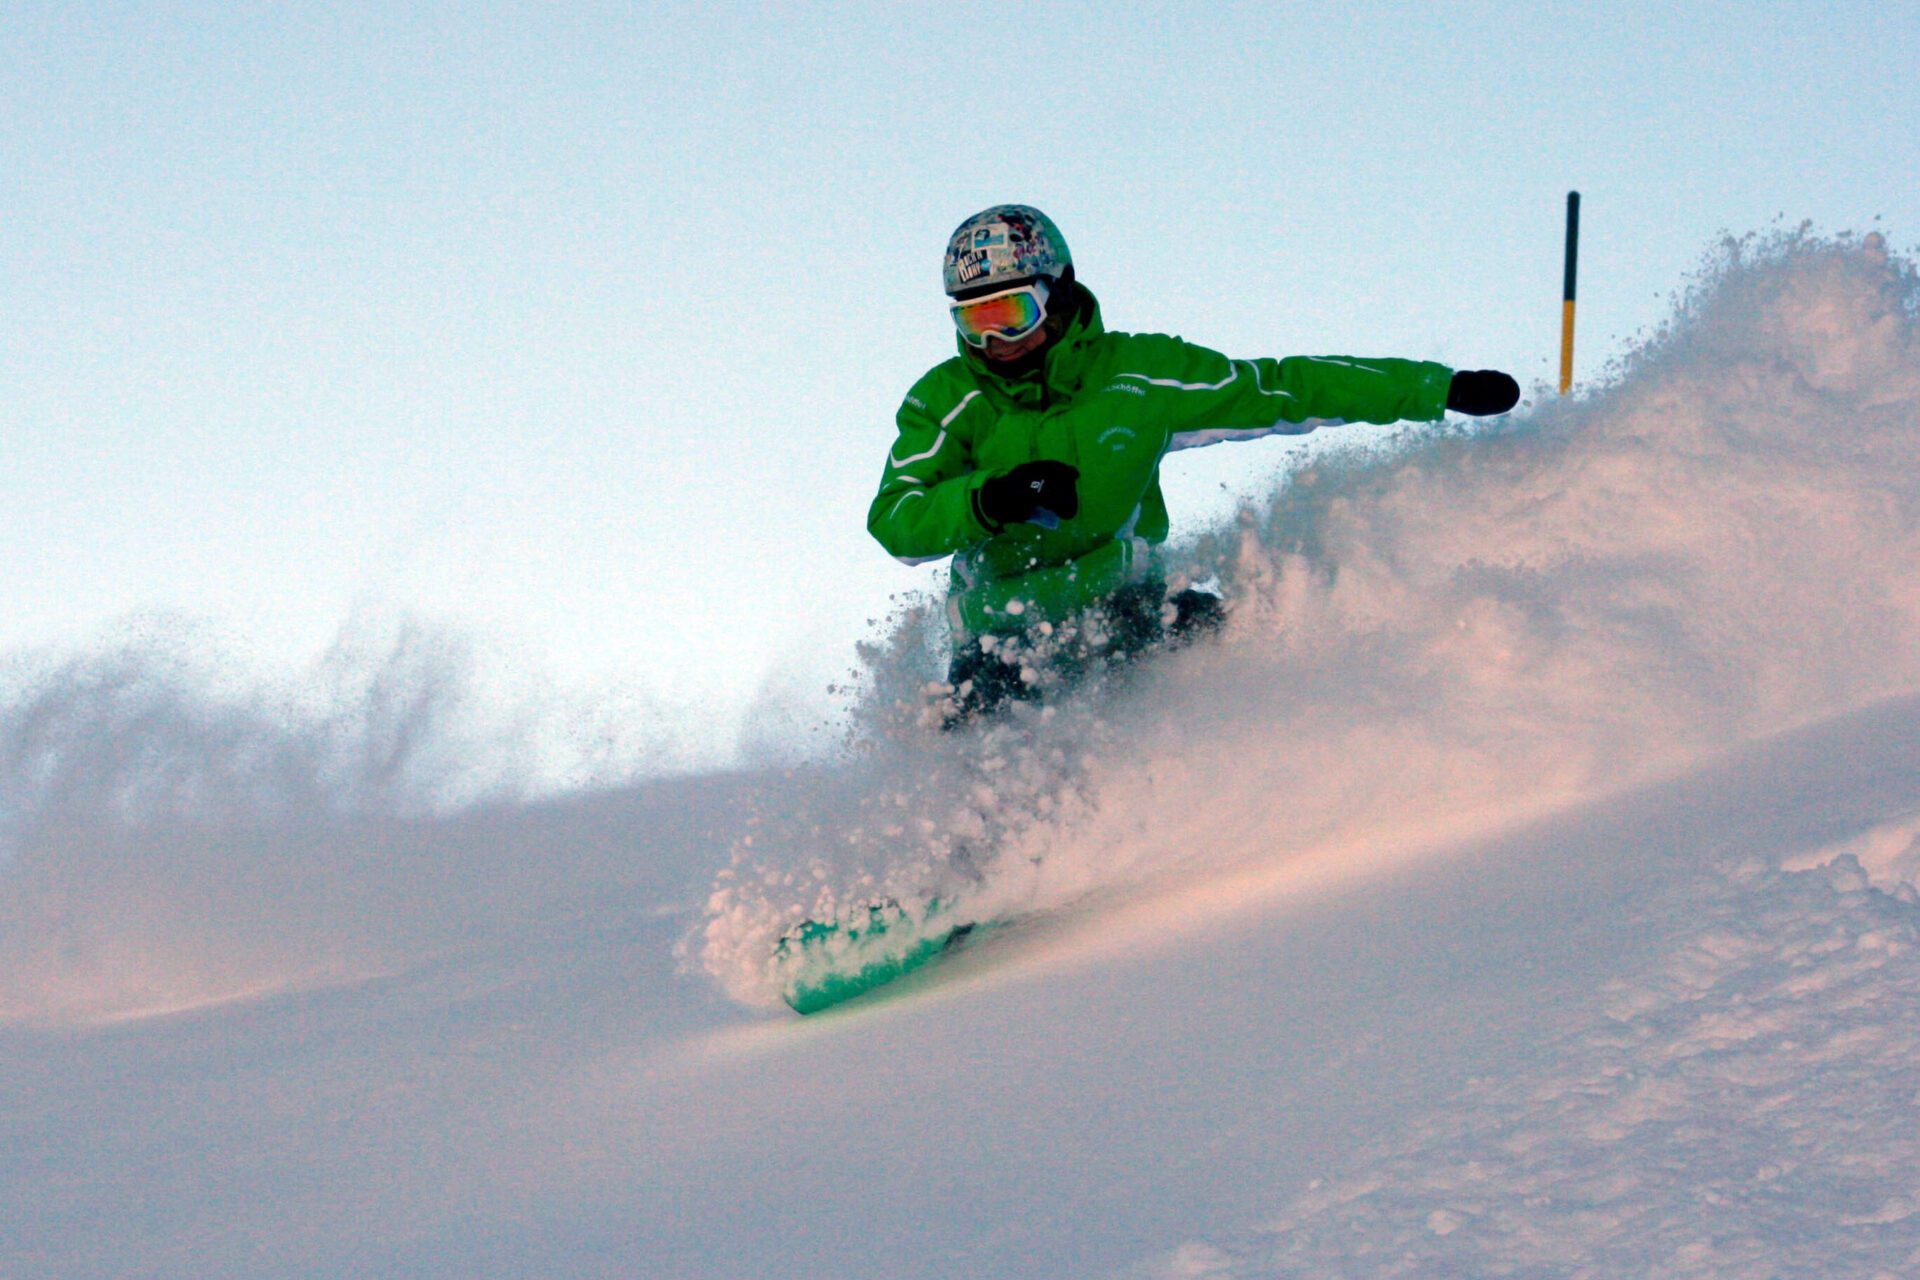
[(925, 508)]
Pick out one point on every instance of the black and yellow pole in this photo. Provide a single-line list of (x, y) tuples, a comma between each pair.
[(1566, 296)]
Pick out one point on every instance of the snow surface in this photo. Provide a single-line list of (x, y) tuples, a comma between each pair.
[(1525, 884)]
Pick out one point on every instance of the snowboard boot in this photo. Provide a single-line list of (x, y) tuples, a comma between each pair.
[(1197, 614), (983, 683)]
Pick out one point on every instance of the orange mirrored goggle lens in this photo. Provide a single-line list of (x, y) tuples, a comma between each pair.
[(1009, 316)]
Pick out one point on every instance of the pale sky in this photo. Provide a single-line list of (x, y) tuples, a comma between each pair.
[(581, 327)]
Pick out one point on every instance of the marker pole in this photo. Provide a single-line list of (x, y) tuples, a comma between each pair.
[(1566, 296)]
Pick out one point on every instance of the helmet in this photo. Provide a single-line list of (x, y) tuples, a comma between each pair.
[(1001, 246)]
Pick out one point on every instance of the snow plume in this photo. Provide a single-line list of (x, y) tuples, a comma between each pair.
[(395, 718), (174, 831), (1720, 542)]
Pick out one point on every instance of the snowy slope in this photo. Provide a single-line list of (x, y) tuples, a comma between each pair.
[(1525, 885)]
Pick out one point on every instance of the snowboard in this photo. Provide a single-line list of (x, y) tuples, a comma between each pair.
[(822, 963)]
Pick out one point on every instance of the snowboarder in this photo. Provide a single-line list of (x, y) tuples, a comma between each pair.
[(1033, 457)]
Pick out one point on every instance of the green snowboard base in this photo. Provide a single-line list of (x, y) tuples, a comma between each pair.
[(825, 963)]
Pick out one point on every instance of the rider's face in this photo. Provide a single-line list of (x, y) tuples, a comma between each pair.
[(999, 349)]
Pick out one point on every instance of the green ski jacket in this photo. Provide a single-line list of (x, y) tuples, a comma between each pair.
[(1113, 405)]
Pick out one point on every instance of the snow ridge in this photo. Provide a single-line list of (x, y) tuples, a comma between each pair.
[(1732, 1114)]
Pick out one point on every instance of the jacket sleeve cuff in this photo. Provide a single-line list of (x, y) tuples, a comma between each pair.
[(1437, 385), (990, 527)]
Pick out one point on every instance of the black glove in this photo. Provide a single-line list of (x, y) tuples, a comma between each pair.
[(1481, 392), (1044, 493)]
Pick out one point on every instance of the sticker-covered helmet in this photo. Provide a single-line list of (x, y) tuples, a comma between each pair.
[(1003, 245)]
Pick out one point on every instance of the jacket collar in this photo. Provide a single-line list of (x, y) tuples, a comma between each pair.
[(1060, 373)]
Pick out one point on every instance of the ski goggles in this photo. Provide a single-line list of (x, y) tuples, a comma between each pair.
[(1009, 315)]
